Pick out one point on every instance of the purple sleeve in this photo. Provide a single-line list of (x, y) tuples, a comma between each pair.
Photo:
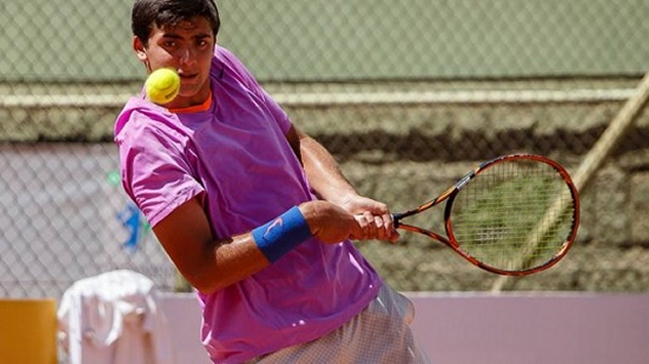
[(155, 172)]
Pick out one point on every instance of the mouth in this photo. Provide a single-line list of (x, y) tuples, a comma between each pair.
[(189, 78)]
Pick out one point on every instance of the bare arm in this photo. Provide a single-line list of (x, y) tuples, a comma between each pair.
[(321, 169), (210, 265), (328, 182)]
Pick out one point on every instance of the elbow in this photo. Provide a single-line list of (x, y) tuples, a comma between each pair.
[(205, 284)]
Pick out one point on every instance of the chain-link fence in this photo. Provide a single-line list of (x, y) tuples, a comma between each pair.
[(407, 95)]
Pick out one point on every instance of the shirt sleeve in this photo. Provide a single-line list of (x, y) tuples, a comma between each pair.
[(239, 70), (155, 170)]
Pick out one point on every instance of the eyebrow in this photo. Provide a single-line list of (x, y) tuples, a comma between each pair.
[(197, 36)]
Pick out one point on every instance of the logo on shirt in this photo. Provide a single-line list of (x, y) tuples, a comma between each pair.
[(278, 222)]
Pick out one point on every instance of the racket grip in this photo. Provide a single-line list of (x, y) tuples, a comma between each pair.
[(396, 220)]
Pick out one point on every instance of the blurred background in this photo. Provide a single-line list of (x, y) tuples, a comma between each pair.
[(407, 95)]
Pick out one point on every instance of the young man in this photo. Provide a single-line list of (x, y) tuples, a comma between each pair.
[(253, 212)]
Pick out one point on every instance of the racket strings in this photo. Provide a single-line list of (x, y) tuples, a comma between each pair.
[(515, 215)]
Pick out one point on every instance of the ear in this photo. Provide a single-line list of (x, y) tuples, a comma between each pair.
[(140, 50)]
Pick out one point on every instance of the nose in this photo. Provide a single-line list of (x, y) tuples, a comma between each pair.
[(186, 56)]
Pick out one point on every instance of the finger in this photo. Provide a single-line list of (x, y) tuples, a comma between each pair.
[(370, 229), (389, 231), (388, 221), (361, 227), (394, 236), (381, 232), (361, 220)]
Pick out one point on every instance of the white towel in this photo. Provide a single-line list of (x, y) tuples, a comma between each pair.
[(113, 318)]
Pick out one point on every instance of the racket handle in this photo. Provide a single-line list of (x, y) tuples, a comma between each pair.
[(396, 219)]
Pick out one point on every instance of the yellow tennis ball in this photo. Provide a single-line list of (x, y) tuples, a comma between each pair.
[(162, 85)]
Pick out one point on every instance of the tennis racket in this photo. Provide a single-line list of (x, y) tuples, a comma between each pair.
[(513, 215)]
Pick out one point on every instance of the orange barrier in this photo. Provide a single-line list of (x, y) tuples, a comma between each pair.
[(28, 331)]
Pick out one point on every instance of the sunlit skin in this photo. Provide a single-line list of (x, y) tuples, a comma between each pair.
[(186, 47)]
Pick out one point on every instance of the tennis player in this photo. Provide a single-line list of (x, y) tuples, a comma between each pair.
[(253, 212)]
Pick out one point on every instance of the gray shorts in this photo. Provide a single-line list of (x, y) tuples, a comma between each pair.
[(379, 334)]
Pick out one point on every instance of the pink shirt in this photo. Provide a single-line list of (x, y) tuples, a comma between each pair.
[(236, 158)]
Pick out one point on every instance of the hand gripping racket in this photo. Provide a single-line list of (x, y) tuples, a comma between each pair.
[(513, 215)]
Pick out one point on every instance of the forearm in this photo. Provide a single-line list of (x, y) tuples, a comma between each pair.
[(210, 265), (329, 184), (225, 263), (323, 172)]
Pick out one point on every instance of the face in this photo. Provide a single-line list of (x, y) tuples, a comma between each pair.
[(188, 48)]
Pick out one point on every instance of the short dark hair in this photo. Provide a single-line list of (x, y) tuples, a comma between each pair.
[(147, 13)]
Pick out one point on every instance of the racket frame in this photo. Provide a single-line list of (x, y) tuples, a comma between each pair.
[(450, 194)]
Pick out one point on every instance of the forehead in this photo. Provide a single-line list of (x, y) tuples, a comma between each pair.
[(196, 26)]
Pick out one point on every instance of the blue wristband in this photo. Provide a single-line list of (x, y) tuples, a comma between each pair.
[(282, 234)]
